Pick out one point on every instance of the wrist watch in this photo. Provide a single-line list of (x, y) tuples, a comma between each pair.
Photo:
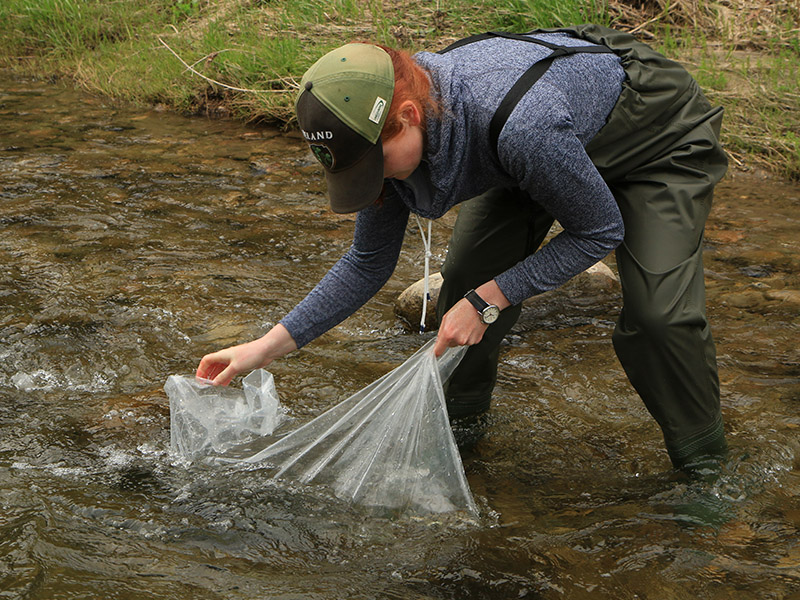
[(488, 312)]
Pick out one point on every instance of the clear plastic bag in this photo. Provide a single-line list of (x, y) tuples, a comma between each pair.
[(389, 445), (207, 419)]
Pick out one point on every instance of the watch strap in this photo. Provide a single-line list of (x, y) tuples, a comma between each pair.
[(479, 303)]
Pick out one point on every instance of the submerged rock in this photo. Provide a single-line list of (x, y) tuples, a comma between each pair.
[(595, 284), (749, 299), (597, 280), (762, 297), (788, 296), (408, 306)]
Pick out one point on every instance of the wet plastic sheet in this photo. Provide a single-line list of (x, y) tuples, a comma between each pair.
[(389, 445), (207, 419)]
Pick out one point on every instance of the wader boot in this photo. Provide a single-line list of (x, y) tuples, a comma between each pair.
[(660, 155)]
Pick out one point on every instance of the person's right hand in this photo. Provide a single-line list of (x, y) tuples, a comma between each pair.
[(222, 366)]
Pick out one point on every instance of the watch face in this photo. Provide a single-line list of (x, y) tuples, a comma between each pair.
[(490, 314)]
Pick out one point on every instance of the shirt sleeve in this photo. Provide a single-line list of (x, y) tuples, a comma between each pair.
[(539, 148), (357, 276)]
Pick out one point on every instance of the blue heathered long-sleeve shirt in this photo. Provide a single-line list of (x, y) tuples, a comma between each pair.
[(540, 150)]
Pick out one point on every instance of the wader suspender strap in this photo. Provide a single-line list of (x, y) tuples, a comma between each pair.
[(527, 79)]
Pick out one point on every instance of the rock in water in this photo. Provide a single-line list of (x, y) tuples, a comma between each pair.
[(788, 296), (597, 280), (595, 283), (408, 306)]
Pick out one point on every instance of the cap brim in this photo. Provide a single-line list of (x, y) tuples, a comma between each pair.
[(359, 186)]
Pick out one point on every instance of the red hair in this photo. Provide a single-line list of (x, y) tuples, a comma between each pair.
[(411, 82)]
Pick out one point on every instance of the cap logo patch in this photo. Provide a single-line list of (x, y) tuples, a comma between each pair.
[(377, 110), (313, 136), (323, 154)]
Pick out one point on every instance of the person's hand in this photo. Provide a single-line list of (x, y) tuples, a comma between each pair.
[(221, 367), (460, 326)]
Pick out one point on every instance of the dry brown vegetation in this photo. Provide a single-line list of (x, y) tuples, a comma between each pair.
[(740, 24)]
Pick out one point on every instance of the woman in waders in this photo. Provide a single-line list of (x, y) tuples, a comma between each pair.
[(582, 125)]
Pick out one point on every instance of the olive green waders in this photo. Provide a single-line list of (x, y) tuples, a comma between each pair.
[(659, 153)]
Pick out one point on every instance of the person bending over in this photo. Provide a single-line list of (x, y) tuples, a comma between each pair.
[(583, 125)]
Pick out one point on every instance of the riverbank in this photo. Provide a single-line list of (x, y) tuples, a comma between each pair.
[(242, 58)]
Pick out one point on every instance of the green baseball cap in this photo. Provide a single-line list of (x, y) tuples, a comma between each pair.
[(342, 106)]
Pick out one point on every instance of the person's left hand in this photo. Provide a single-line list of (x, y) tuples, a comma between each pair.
[(461, 326)]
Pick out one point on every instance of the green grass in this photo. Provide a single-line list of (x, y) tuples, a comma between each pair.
[(759, 88), (123, 49)]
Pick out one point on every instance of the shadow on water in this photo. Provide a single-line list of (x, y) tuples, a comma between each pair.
[(134, 242)]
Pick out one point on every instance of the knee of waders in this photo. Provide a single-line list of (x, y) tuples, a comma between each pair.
[(645, 321)]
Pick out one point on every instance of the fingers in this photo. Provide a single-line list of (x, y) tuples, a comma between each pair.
[(447, 337), (440, 346), (208, 368), (226, 376), (460, 326), (445, 341), (219, 373), (212, 366)]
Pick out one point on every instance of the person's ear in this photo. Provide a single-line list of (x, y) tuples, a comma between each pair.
[(410, 113)]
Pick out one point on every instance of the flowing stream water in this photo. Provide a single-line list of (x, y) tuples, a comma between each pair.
[(133, 242)]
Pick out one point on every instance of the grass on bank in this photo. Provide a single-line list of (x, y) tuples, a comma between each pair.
[(745, 53)]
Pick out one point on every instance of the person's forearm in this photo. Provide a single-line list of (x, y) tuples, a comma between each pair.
[(224, 365), (491, 293), (276, 343), (356, 277)]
